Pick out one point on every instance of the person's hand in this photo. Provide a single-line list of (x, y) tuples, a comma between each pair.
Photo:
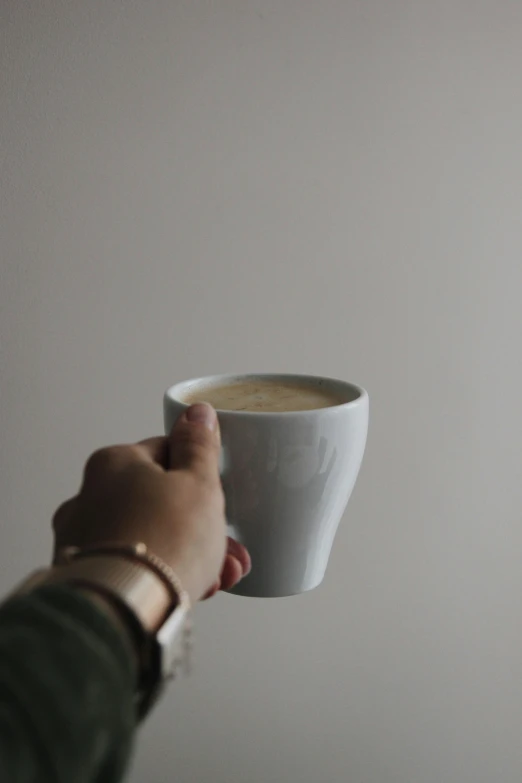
[(165, 492)]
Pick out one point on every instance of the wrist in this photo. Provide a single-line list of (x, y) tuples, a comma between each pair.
[(119, 619), (141, 596)]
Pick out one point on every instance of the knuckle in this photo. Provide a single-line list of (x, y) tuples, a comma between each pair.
[(133, 452), (102, 460), (97, 461), (61, 513)]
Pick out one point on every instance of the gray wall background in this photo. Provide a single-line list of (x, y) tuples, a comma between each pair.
[(331, 187)]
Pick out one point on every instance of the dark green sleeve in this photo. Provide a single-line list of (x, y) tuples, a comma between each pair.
[(66, 689)]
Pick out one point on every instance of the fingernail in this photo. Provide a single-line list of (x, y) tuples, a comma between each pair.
[(202, 413)]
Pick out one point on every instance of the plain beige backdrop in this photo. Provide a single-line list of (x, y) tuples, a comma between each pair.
[(328, 187)]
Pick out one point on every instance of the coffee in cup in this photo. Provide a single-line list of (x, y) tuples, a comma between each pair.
[(263, 395)]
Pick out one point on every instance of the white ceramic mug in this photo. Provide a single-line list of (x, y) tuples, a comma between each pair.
[(287, 479)]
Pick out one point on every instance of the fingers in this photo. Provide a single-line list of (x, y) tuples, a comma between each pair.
[(236, 566), (213, 590), (193, 444), (194, 441), (240, 553), (231, 572)]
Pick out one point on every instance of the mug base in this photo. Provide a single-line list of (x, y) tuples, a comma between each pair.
[(249, 588)]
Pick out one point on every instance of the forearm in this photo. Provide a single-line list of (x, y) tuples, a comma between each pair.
[(66, 690)]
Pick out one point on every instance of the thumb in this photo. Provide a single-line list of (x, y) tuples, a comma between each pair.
[(194, 441)]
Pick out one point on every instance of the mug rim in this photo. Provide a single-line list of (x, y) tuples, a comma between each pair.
[(358, 393)]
